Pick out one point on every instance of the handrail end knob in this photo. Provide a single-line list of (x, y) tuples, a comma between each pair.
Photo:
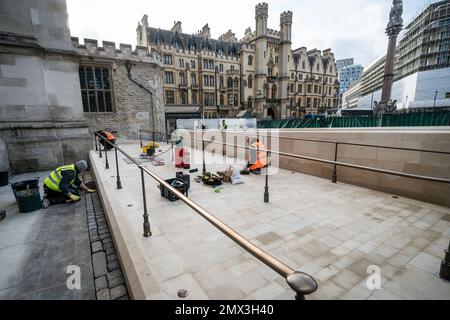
[(302, 283)]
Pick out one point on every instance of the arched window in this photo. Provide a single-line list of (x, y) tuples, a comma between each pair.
[(194, 98), (291, 102), (193, 79), (183, 98), (250, 102), (222, 100), (221, 82), (230, 82), (236, 82), (250, 81), (274, 91), (250, 60), (299, 103), (182, 79), (236, 100)]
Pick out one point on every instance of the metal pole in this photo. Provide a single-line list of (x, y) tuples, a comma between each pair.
[(95, 141), (147, 231), (334, 177), (106, 156), (203, 151), (99, 146), (435, 96), (118, 182), (140, 136), (266, 188)]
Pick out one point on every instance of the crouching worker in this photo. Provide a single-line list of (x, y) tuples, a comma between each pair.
[(108, 136), (63, 185), (258, 157)]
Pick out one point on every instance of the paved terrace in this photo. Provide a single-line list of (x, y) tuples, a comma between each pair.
[(332, 231)]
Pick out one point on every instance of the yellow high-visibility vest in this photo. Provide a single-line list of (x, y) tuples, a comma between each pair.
[(54, 179)]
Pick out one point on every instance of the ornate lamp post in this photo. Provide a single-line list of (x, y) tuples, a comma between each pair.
[(393, 29)]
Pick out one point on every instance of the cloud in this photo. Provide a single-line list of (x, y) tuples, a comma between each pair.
[(351, 28)]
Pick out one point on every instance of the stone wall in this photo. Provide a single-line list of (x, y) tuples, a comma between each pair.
[(426, 164), (41, 118), (133, 106)]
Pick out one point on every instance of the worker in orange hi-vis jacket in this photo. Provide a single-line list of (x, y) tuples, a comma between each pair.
[(258, 157), (109, 136)]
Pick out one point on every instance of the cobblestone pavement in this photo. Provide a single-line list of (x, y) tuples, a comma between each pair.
[(109, 280)]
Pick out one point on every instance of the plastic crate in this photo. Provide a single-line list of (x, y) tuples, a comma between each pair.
[(166, 193)]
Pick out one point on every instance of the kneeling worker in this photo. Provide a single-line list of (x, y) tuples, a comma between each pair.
[(258, 157), (63, 184)]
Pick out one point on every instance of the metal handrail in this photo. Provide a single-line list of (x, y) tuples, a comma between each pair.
[(354, 144), (338, 163), (302, 283)]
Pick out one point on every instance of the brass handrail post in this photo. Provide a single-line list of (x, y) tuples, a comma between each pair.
[(118, 182), (334, 177), (146, 225), (99, 146), (203, 154), (266, 187), (106, 155)]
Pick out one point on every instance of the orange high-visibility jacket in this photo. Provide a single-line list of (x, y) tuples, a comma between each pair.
[(108, 135), (261, 156)]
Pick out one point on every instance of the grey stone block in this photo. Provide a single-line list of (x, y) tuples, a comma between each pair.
[(104, 295), (113, 265), (96, 246), (110, 251), (107, 241), (114, 275), (108, 246), (93, 235), (102, 231), (112, 257), (116, 282), (118, 292), (99, 263), (101, 283), (104, 235)]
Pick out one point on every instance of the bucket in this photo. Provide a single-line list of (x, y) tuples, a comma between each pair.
[(3, 178), (24, 185), (29, 200)]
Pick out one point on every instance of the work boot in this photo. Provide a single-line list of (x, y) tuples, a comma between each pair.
[(45, 203)]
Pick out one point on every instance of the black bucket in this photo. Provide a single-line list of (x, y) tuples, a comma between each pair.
[(24, 185), (3, 178), (29, 200)]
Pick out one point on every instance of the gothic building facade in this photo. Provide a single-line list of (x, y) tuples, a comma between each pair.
[(261, 73)]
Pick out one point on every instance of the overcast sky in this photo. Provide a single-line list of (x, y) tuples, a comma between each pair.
[(351, 28)]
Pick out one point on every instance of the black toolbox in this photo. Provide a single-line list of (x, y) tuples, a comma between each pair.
[(181, 186)]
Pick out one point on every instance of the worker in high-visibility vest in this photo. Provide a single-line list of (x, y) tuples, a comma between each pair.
[(64, 184), (258, 157)]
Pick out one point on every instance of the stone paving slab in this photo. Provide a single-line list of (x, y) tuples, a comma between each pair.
[(332, 231), (37, 247)]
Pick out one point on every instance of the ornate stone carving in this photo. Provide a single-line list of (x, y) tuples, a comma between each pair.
[(395, 17)]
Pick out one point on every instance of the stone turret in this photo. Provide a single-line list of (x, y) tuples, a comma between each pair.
[(261, 14), (286, 26)]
